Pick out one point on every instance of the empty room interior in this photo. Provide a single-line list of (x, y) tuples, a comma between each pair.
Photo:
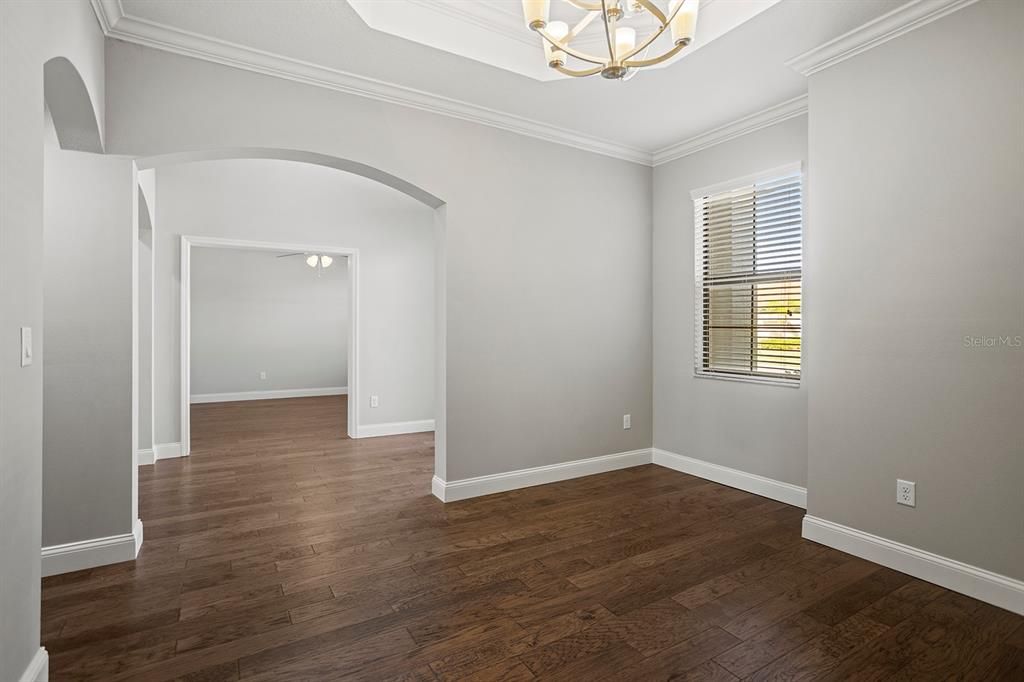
[(512, 340), (264, 326)]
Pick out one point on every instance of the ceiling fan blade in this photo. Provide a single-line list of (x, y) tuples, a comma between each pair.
[(286, 255)]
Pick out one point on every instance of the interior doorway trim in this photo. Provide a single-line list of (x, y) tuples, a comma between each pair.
[(189, 241)]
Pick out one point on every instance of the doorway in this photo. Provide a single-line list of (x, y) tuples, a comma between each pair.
[(307, 253)]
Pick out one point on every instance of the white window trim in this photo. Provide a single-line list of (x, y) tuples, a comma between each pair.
[(761, 381), (697, 195), (752, 179)]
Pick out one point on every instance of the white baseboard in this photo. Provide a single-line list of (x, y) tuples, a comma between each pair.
[(166, 451), (437, 487), (267, 395), (137, 536), (38, 669), (75, 556), (734, 478), (451, 491), (1004, 592), (394, 428), (158, 452)]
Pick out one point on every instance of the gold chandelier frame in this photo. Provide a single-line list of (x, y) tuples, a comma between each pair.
[(614, 66)]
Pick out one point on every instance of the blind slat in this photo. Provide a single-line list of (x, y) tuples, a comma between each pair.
[(748, 261)]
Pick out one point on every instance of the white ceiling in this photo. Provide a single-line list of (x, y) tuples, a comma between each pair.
[(738, 74)]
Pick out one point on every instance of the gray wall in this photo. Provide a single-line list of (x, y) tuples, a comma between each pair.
[(917, 164), (30, 34), (253, 312), (87, 347), (538, 372), (756, 428), (290, 202)]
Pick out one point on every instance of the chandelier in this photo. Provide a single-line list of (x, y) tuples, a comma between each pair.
[(623, 52)]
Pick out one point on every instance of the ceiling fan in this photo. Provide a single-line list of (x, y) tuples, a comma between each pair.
[(313, 260)]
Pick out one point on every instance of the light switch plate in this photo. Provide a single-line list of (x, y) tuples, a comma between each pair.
[(26, 346)]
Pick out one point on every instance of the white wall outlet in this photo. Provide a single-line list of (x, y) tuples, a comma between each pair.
[(26, 346), (263, 376), (374, 401), (627, 422), (906, 493)]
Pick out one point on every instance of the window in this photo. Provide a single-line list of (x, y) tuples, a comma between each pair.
[(749, 284)]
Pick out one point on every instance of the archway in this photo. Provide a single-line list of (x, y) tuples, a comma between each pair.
[(301, 156), (415, 192), (70, 107)]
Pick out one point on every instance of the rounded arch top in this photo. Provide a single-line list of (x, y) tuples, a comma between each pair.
[(70, 106), (338, 163)]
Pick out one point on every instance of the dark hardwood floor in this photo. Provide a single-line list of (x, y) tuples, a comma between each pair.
[(282, 551)]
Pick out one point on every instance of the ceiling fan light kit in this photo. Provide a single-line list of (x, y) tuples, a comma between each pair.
[(318, 261), (624, 53)]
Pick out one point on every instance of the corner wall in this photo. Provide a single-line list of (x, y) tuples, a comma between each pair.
[(917, 165), (755, 428), (88, 432)]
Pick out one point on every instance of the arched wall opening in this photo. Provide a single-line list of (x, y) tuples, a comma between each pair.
[(70, 107), (169, 165), (302, 156)]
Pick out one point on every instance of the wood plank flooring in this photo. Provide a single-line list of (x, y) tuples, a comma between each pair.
[(282, 551)]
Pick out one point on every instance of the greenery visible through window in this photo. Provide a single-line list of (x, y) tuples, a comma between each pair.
[(749, 279)]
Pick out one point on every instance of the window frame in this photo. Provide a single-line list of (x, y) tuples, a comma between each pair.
[(701, 290)]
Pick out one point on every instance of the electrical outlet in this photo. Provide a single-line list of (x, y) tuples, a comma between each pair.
[(263, 376), (627, 422), (374, 401), (906, 493)]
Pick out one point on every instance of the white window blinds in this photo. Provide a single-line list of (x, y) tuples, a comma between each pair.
[(748, 269)]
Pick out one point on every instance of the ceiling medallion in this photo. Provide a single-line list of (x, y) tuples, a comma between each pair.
[(624, 53)]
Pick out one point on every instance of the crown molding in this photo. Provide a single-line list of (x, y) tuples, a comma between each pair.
[(108, 12), (748, 124), (116, 24), (904, 19)]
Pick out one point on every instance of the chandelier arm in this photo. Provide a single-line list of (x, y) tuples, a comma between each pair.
[(559, 45), (588, 6), (665, 22), (658, 14), (577, 74), (608, 30), (657, 60)]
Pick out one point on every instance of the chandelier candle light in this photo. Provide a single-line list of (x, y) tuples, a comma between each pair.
[(556, 36)]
